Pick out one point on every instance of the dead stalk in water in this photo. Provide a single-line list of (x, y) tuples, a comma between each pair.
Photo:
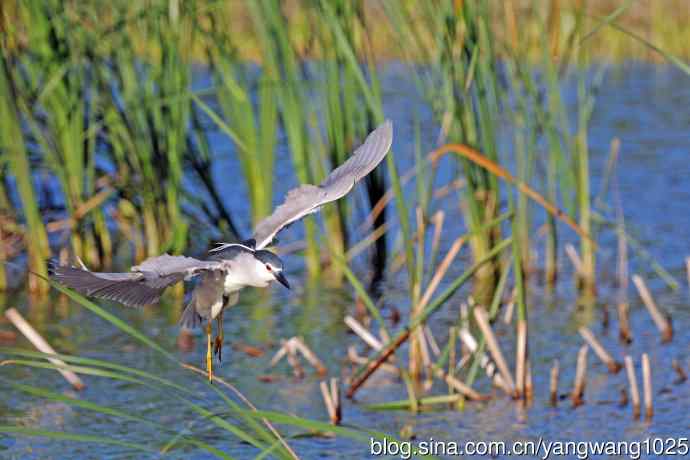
[(440, 272), (482, 319), (43, 346), (363, 333), (389, 351), (520, 358), (687, 268), (355, 358), (647, 385), (553, 384), (484, 361), (634, 392), (326, 394), (613, 365), (580, 377), (461, 387), (331, 398), (662, 322), (335, 397), (624, 331), (529, 391), (290, 348), (433, 344), (574, 257), (309, 355)]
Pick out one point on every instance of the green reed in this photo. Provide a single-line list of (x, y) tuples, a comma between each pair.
[(232, 414), (15, 149)]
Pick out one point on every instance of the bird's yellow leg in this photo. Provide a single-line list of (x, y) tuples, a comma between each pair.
[(218, 343), (209, 360)]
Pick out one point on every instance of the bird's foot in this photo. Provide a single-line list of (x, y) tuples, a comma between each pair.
[(218, 347)]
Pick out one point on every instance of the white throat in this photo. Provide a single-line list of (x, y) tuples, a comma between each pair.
[(244, 271)]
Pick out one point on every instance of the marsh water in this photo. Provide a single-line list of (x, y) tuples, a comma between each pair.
[(646, 106)]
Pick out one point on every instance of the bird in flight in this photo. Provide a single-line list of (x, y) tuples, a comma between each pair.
[(230, 266)]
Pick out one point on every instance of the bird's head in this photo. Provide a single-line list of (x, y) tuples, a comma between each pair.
[(270, 268)]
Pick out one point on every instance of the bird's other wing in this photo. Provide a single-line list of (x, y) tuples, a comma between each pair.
[(363, 161), (144, 285), (307, 199)]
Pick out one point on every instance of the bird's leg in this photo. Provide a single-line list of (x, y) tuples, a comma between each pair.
[(218, 343), (209, 357)]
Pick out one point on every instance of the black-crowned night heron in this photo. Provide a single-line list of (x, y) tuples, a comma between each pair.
[(231, 266)]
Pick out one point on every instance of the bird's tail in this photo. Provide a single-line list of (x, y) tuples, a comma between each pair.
[(190, 319)]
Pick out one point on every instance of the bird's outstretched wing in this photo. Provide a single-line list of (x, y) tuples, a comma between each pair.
[(307, 199), (144, 285)]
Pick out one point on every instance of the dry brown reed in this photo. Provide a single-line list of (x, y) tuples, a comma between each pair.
[(482, 319), (580, 377), (647, 385), (634, 391), (43, 346), (662, 322), (613, 365)]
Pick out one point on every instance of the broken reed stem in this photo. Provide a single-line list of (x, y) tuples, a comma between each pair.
[(335, 397), (687, 268), (309, 355), (363, 333), (43, 346), (624, 331), (440, 272), (330, 407), (482, 319), (661, 321), (290, 348), (634, 392), (613, 365), (331, 397), (682, 376), (553, 384), (520, 358), (580, 376), (460, 386), (647, 385)]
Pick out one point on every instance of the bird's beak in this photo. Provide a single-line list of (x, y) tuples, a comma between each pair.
[(282, 280)]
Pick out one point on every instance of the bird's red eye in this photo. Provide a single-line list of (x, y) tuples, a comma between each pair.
[(268, 267)]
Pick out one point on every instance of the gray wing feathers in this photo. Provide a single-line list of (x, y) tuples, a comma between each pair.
[(131, 289), (364, 159), (165, 265), (143, 286), (307, 199)]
